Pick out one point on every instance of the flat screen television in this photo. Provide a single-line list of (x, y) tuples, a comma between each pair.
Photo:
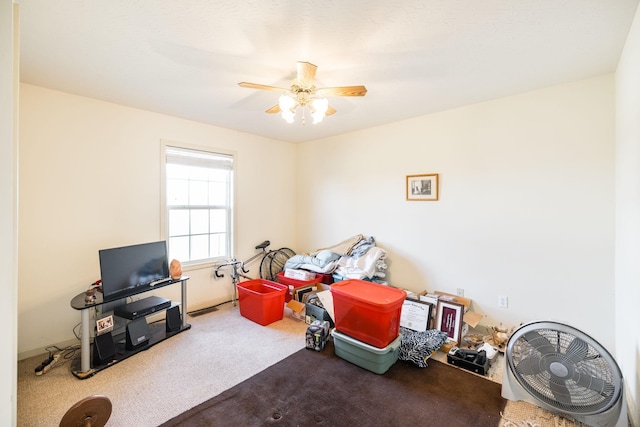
[(129, 270)]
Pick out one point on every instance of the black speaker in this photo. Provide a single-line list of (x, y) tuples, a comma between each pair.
[(104, 350), (137, 334), (173, 319)]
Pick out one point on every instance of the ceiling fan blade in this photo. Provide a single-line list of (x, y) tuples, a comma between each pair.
[(306, 73), (330, 111), (531, 365), (539, 342), (342, 91), (274, 109), (261, 87), (560, 392), (577, 350)]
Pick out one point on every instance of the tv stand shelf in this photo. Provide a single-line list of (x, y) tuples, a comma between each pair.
[(82, 368)]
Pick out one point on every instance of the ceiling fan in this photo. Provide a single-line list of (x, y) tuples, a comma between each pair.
[(304, 93)]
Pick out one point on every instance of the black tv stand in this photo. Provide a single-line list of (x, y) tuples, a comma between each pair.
[(84, 368), (142, 307)]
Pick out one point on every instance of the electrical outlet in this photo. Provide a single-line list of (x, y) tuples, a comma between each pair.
[(503, 301), (460, 292)]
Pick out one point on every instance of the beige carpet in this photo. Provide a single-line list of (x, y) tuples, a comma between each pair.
[(220, 350)]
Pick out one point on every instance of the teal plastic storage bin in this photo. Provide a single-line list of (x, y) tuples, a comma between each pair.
[(374, 359)]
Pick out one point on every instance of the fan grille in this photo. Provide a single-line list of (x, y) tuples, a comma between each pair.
[(273, 263), (565, 369)]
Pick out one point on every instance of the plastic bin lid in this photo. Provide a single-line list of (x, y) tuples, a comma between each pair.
[(369, 292)]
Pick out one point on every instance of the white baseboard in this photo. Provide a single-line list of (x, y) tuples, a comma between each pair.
[(160, 316), (42, 350)]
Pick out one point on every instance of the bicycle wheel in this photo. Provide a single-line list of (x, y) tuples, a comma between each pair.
[(272, 264), (288, 252), (264, 266)]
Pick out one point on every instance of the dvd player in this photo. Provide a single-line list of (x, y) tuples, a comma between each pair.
[(142, 307)]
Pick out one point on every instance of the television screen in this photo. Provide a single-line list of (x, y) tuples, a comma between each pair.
[(129, 270)]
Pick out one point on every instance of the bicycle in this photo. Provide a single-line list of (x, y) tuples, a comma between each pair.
[(272, 263)]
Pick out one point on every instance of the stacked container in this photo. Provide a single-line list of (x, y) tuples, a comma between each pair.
[(367, 319)]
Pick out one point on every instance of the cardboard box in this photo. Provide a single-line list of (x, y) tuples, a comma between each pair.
[(323, 287), (299, 274), (414, 295), (430, 298), (313, 312), (298, 309)]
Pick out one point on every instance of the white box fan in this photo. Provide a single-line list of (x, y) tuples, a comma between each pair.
[(565, 371)]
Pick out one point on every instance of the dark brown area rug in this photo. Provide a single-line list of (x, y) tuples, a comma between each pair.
[(312, 388)]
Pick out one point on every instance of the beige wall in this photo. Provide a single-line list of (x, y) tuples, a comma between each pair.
[(526, 205), (90, 179), (526, 209), (9, 87), (627, 270)]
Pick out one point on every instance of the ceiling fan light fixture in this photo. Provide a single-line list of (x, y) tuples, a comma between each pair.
[(286, 102), (303, 93), (317, 118), (288, 116), (288, 107), (319, 107)]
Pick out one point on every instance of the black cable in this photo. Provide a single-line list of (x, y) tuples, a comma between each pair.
[(76, 333), (66, 354)]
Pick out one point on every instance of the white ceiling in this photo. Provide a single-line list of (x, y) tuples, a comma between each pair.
[(185, 57)]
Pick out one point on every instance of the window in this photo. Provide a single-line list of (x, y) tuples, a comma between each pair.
[(199, 202)]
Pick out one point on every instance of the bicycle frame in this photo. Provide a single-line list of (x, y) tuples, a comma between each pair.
[(238, 270)]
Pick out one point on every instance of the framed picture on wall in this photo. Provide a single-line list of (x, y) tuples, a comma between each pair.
[(449, 319), (422, 187)]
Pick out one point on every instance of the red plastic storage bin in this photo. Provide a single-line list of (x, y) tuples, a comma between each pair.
[(261, 301), (293, 284), (325, 278), (367, 311)]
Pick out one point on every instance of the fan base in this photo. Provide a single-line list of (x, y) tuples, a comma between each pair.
[(92, 411)]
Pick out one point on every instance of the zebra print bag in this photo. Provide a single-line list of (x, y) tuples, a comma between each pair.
[(417, 347)]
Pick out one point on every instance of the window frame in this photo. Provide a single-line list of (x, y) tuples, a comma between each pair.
[(164, 208)]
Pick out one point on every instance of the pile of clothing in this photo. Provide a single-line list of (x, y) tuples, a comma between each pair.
[(355, 258)]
